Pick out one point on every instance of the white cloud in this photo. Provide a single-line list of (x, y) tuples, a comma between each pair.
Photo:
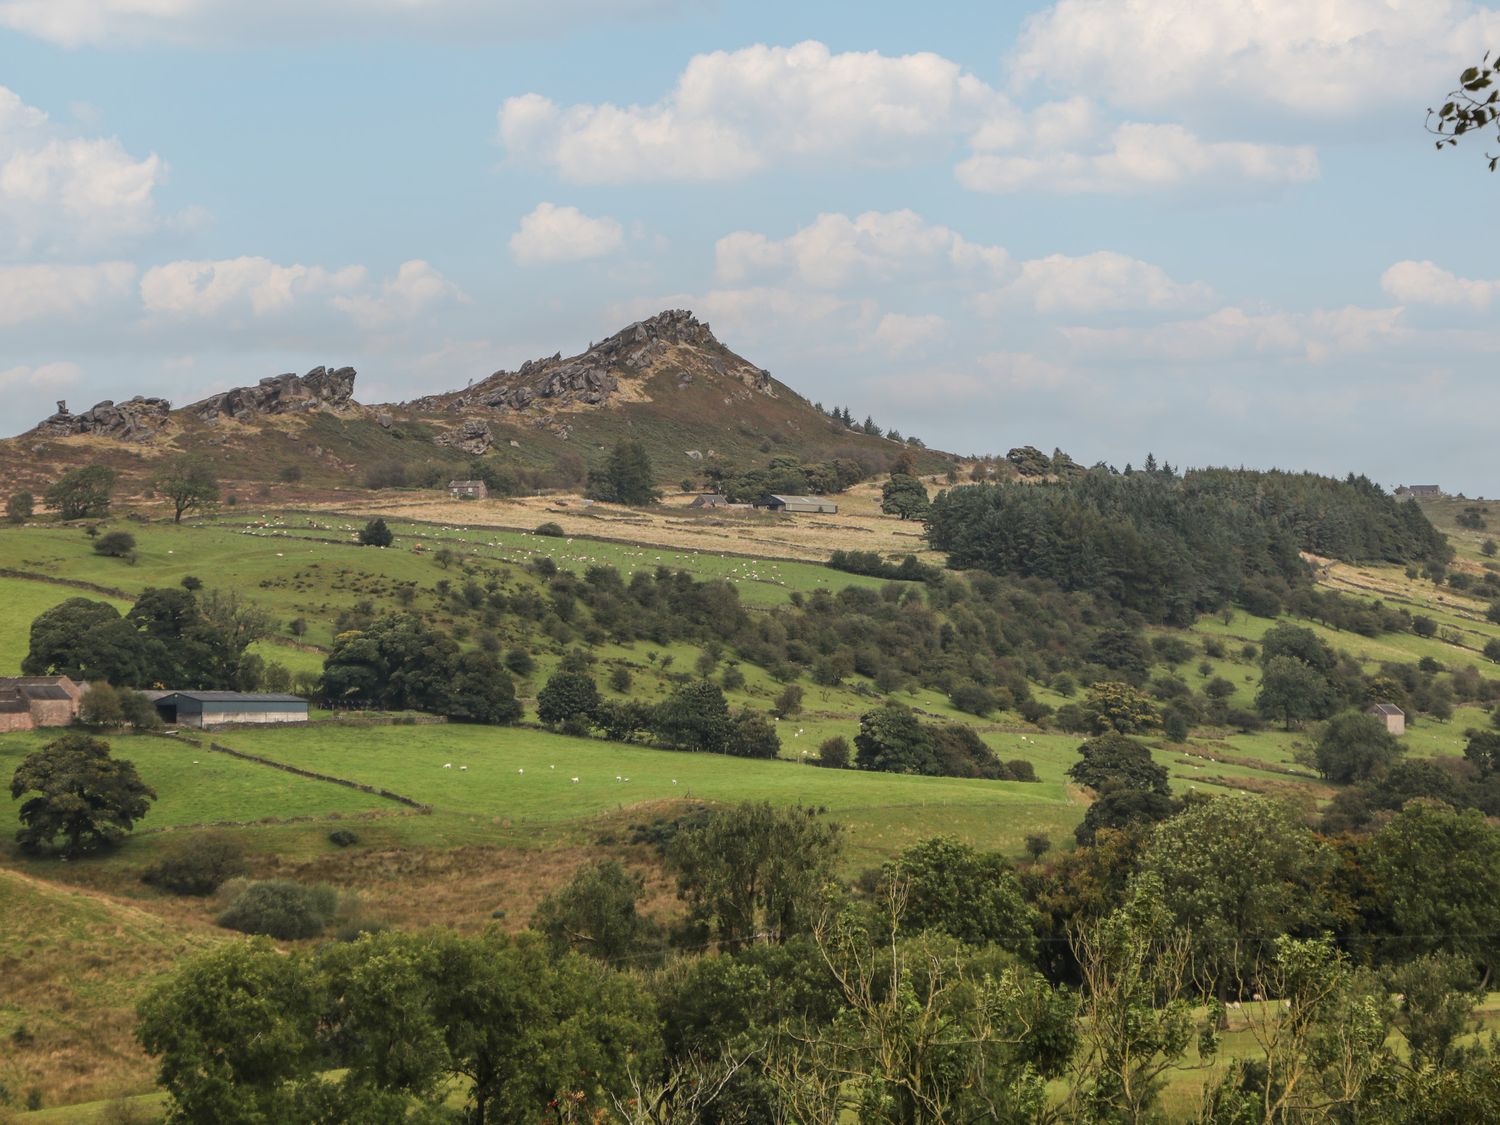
[(835, 250), (1234, 334), (44, 377), (36, 292), (733, 113), (899, 332), (1425, 283), (114, 23), (417, 288), (564, 234), (238, 285), (1103, 281), (61, 194), (1307, 57), (1138, 157)]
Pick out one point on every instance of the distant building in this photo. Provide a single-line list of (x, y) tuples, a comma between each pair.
[(212, 708), (467, 489), (1422, 491), (709, 500), (29, 702), (1388, 713), (812, 504)]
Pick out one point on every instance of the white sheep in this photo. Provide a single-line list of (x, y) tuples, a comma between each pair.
[(463, 767), (447, 765), (575, 781)]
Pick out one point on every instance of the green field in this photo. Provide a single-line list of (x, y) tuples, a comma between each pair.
[(521, 781), (196, 786)]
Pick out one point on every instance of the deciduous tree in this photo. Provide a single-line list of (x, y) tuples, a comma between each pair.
[(84, 795)]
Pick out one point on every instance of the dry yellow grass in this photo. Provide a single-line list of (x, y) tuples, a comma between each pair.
[(858, 526), (73, 964)]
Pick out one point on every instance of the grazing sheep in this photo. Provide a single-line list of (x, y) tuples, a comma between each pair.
[(447, 765)]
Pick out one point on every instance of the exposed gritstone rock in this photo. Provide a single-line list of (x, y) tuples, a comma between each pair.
[(319, 389), (137, 420)]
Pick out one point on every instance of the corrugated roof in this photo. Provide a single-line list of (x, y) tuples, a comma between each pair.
[(236, 697), (1385, 709), (45, 691)]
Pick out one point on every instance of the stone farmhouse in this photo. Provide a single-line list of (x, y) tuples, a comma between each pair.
[(468, 489), (30, 702)]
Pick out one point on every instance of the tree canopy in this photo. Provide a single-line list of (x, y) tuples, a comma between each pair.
[(84, 795)]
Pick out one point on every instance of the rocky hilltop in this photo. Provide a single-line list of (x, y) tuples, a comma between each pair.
[(593, 377), (140, 419), (319, 389)]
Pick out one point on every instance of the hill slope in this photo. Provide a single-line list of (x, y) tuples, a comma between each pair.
[(665, 381)]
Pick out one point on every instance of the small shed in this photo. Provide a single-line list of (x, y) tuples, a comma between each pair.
[(1425, 491), (815, 505), (468, 489), (1392, 716), (212, 708), (709, 500)]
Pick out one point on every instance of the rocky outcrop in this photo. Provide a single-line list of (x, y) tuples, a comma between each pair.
[(592, 377), (319, 389), (137, 420), (474, 436)]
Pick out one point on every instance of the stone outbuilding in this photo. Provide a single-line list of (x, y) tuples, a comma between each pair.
[(709, 500), (1392, 716), (30, 702)]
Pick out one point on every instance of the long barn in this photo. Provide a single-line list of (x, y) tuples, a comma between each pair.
[(815, 505), (212, 708)]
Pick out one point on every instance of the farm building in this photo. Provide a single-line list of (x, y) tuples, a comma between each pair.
[(1424, 491), (211, 708), (1388, 713), (468, 489), (29, 702), (813, 504), (709, 500)]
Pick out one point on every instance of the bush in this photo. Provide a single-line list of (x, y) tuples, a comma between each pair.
[(376, 534), (343, 837), (834, 753), (1020, 770), (550, 529), (520, 663), (290, 474), (282, 909), (973, 698), (115, 544), (197, 867), (20, 507)]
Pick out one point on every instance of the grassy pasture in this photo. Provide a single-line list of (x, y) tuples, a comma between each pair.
[(196, 786), (522, 779)]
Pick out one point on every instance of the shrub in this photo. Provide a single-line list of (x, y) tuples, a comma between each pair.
[(191, 582), (20, 507), (290, 474), (550, 529), (115, 544), (519, 661), (343, 837), (197, 867), (376, 534), (973, 698), (834, 753), (1020, 770), (282, 909)]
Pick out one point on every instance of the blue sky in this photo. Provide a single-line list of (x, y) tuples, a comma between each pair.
[(1214, 229)]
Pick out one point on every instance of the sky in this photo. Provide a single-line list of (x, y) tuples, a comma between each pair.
[(1215, 230)]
